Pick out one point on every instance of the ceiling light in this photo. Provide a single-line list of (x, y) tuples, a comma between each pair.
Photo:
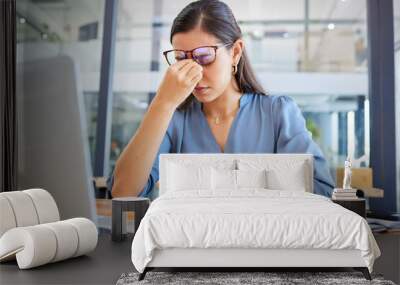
[(331, 26), (22, 20)]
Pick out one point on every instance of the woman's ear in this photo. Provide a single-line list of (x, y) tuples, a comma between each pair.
[(237, 50)]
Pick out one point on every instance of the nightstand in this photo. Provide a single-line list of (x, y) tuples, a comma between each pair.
[(138, 205), (355, 205)]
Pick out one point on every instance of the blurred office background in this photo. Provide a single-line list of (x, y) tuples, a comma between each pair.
[(316, 51)]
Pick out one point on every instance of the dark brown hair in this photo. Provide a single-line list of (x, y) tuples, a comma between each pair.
[(216, 18)]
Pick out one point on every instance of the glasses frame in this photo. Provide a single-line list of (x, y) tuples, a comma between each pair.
[(187, 52)]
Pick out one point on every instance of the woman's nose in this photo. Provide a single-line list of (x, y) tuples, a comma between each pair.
[(189, 55)]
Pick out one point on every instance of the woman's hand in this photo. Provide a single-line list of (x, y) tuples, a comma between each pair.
[(179, 81)]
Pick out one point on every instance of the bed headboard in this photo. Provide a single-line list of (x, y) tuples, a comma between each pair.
[(275, 161)]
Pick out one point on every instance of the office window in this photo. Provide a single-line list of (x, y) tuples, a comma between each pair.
[(133, 79), (48, 29), (320, 47)]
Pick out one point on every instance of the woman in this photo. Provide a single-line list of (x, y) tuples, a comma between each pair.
[(209, 101)]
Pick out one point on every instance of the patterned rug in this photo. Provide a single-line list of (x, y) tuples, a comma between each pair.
[(225, 278)]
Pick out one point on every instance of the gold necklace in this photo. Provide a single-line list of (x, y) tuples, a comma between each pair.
[(217, 119)]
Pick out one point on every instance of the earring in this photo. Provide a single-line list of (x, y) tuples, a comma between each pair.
[(234, 69)]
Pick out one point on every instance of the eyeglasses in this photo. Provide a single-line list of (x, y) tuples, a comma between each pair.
[(202, 55)]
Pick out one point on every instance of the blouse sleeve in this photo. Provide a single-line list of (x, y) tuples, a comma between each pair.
[(292, 136), (165, 147)]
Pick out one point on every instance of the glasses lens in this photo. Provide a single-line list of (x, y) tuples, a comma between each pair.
[(174, 56), (204, 55)]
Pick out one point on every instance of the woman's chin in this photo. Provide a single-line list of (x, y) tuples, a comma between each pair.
[(203, 98)]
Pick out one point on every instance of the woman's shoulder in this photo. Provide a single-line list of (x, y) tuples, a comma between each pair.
[(273, 99), (275, 103)]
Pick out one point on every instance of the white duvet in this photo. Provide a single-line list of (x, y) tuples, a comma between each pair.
[(251, 218)]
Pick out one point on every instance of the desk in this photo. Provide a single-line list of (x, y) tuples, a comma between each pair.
[(102, 266)]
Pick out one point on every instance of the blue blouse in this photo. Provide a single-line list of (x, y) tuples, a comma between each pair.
[(263, 124)]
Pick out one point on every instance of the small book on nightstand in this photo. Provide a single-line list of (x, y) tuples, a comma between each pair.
[(344, 194)]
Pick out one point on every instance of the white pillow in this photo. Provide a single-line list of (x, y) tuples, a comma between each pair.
[(292, 180), (182, 177), (280, 174), (251, 178), (223, 179), (235, 179)]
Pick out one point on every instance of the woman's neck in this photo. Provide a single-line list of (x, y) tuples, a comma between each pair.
[(223, 106)]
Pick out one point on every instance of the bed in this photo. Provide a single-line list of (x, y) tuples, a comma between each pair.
[(247, 211)]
